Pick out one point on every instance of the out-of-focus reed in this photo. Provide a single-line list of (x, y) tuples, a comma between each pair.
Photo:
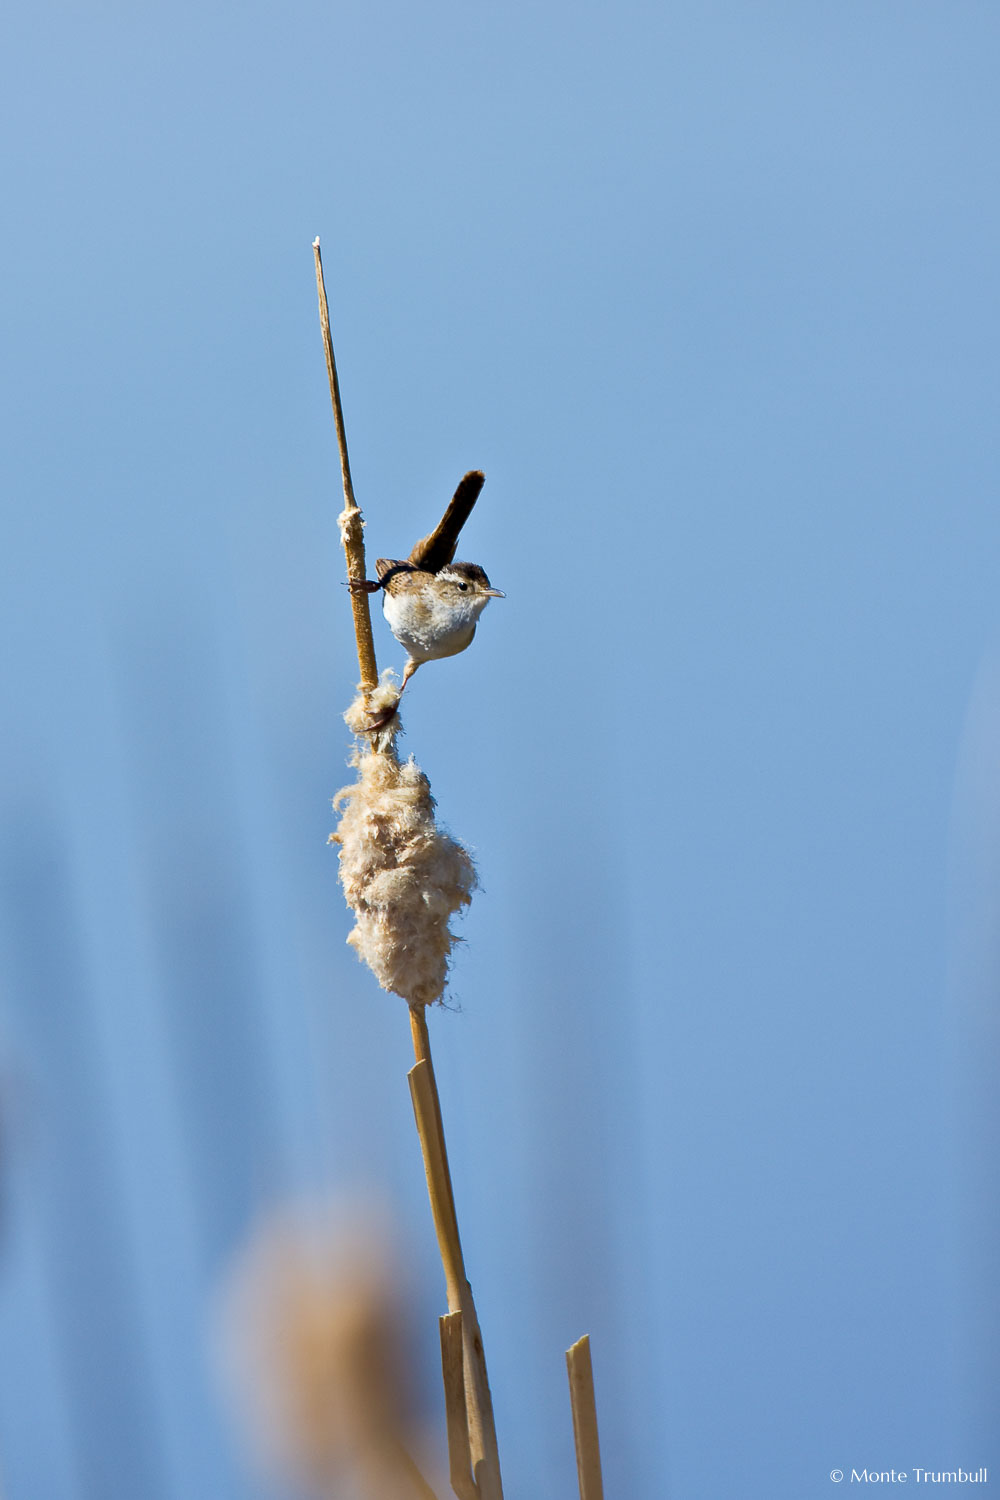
[(316, 1350)]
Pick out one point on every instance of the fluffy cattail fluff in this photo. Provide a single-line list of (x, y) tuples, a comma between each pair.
[(316, 1351), (403, 878)]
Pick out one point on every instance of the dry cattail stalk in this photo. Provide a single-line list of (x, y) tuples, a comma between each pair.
[(404, 879), (581, 1395)]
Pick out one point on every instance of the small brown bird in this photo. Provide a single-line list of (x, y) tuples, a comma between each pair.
[(431, 602)]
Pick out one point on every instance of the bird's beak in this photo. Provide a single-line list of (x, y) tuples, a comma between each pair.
[(494, 594)]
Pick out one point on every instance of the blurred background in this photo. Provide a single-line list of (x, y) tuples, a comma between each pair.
[(709, 291)]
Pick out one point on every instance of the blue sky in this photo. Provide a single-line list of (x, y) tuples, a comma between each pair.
[(710, 293)]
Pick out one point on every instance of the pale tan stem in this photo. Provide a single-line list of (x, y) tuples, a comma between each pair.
[(451, 1255), (479, 1403), (420, 1034), (584, 1404), (351, 523), (456, 1413), (439, 1190)]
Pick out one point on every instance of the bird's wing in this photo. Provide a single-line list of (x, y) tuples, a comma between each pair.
[(384, 566), (437, 550)]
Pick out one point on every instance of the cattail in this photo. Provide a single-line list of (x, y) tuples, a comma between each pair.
[(403, 878), (317, 1353)]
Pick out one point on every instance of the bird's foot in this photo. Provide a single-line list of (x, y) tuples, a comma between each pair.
[(363, 585), (384, 719)]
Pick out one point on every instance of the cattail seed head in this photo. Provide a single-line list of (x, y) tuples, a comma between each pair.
[(403, 878)]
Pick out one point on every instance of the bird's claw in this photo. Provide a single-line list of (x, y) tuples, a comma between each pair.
[(363, 585), (385, 718)]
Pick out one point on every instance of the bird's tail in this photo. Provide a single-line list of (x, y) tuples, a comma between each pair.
[(437, 550)]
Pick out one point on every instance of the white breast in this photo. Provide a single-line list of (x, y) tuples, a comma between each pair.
[(428, 628)]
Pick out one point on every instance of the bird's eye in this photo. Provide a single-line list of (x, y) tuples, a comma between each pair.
[(463, 587)]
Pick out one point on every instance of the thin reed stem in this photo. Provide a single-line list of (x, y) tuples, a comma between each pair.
[(351, 526), (479, 1402), (456, 1411), (584, 1404)]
